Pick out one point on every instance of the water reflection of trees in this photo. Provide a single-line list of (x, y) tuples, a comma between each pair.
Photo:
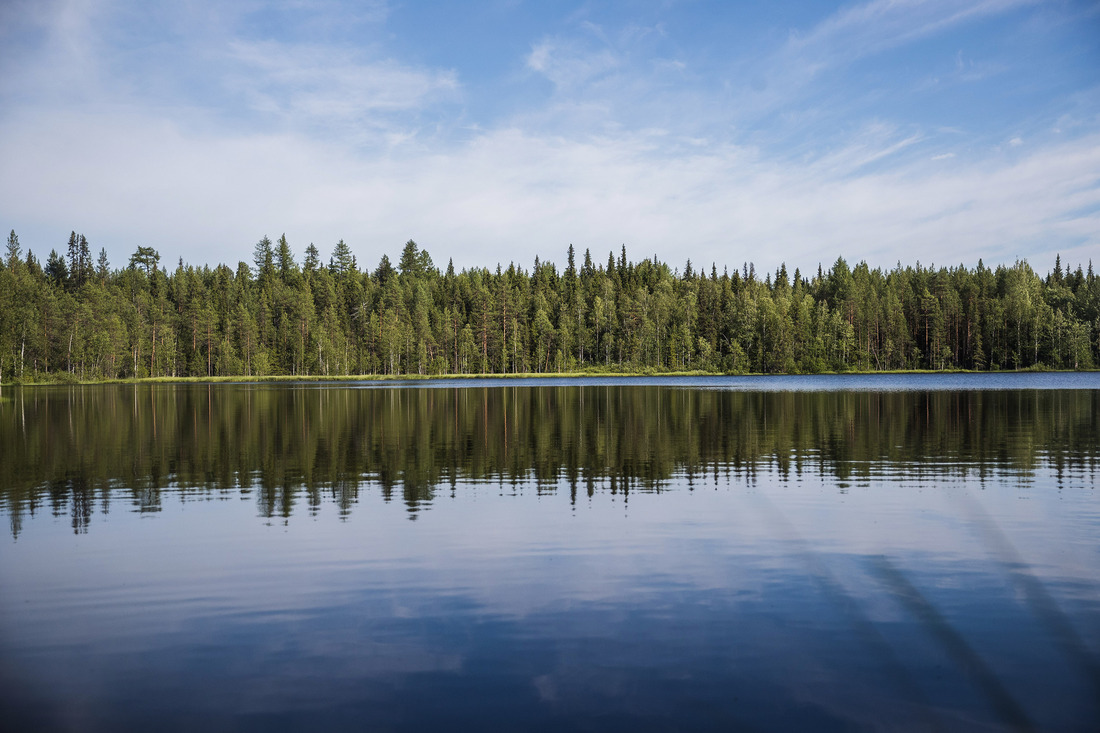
[(296, 448)]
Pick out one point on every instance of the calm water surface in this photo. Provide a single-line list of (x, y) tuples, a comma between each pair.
[(795, 553)]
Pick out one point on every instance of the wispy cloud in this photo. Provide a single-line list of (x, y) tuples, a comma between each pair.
[(797, 92), (316, 85), (965, 71), (875, 142), (568, 64), (809, 64), (870, 28)]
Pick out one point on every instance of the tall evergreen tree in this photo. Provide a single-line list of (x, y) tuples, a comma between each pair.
[(312, 259), (263, 257), (13, 250), (341, 262), (56, 269), (384, 271), (103, 266), (287, 267), (145, 257), (84, 262), (74, 255)]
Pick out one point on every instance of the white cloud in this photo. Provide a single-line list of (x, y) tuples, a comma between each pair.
[(507, 195), (872, 143), (310, 84), (943, 156), (567, 64), (858, 32), (864, 30), (1016, 142)]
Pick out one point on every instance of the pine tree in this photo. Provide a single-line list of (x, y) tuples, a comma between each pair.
[(342, 262), (13, 250), (424, 262), (263, 256), (74, 259), (103, 268), (74, 250), (287, 267), (414, 261), (312, 259), (84, 262), (56, 270), (145, 257), (384, 270)]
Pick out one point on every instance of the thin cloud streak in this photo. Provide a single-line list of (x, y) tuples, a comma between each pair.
[(316, 86), (797, 68), (568, 65)]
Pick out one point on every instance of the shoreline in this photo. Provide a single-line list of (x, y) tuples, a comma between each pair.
[(349, 378)]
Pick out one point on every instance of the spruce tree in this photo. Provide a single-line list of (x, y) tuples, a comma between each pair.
[(342, 262), (287, 268), (263, 256), (13, 250), (384, 270), (74, 257), (56, 270), (312, 260), (84, 262), (103, 268)]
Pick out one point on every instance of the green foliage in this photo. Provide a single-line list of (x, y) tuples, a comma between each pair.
[(342, 262), (286, 319), (13, 250), (146, 258)]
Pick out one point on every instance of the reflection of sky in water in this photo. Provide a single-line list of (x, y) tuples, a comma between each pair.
[(902, 555), (793, 604)]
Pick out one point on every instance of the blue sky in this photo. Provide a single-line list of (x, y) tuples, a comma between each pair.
[(939, 131)]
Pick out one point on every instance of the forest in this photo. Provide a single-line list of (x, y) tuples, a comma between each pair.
[(75, 318)]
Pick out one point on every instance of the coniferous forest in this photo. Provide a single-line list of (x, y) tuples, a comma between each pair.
[(76, 317)]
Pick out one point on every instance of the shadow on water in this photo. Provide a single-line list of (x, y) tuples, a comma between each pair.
[(1038, 600), (957, 648), (848, 606)]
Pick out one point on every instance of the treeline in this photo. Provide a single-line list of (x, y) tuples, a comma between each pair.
[(77, 318)]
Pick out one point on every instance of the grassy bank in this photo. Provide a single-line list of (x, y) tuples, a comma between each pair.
[(65, 378)]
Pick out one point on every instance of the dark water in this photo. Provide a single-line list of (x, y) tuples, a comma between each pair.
[(826, 553)]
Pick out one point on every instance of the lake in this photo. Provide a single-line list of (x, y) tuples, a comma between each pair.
[(901, 552)]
